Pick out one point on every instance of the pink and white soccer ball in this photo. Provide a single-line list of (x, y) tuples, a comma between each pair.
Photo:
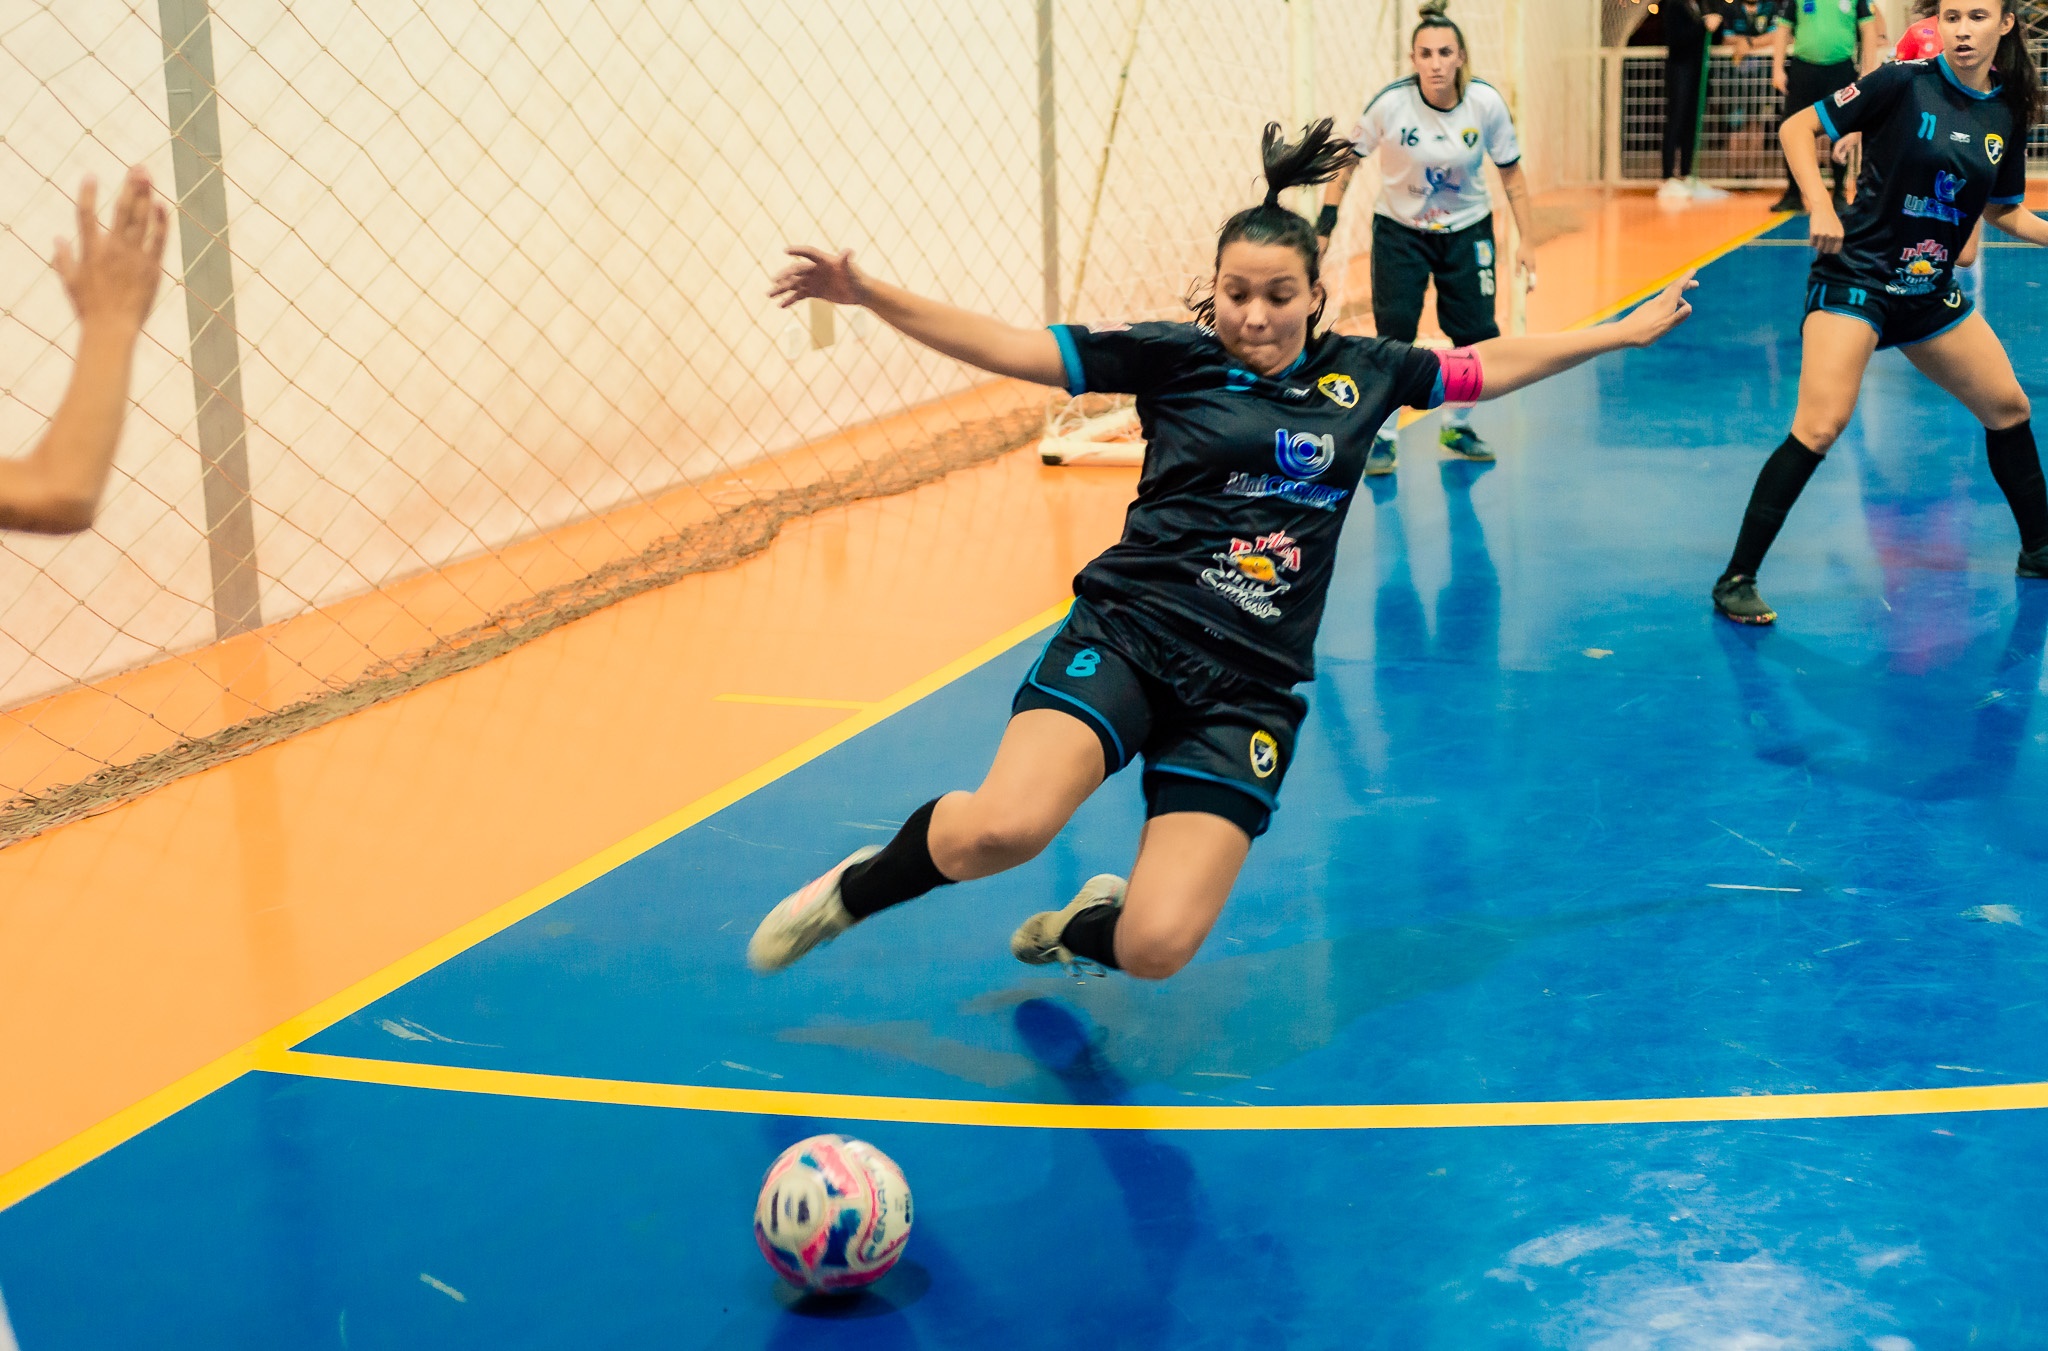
[(834, 1214)]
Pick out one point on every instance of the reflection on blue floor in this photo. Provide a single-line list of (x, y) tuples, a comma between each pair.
[(1553, 832), (309, 1214)]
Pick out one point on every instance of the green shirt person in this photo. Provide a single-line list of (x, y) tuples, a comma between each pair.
[(1831, 42), (1826, 33)]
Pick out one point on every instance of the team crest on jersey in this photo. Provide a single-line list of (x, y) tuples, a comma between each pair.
[(1339, 389), (1470, 136), (1954, 300), (1265, 754), (1994, 146), (1250, 573)]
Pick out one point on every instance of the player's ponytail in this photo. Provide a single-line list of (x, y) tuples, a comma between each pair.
[(1315, 158), (2016, 74)]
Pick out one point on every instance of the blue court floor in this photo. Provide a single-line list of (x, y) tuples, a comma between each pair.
[(1554, 834)]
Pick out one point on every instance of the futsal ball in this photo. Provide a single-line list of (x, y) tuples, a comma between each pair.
[(834, 1214)]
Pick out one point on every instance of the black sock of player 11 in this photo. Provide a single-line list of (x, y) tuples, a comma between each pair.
[(903, 870), (1778, 486), (2017, 467)]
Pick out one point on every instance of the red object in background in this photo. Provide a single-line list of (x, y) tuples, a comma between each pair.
[(1922, 40)]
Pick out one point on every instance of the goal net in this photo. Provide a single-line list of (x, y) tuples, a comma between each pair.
[(468, 334)]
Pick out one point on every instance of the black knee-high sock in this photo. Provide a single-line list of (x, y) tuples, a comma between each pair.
[(903, 870), (1778, 486), (2017, 467), (1092, 934)]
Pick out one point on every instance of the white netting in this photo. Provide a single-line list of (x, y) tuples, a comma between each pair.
[(497, 276)]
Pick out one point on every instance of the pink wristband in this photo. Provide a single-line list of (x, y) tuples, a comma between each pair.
[(1464, 378)]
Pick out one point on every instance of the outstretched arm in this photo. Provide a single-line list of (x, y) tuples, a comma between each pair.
[(1001, 349), (1510, 364), (2016, 221), (112, 279)]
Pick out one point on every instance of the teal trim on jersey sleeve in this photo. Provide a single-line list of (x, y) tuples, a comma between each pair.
[(1827, 124), (1436, 396), (1070, 358), (2007, 201)]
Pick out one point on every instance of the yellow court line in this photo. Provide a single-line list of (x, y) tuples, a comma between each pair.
[(1714, 254), (784, 701), (89, 1144), (1411, 416), (1080, 1116)]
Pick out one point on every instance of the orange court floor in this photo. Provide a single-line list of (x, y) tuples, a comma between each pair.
[(140, 947)]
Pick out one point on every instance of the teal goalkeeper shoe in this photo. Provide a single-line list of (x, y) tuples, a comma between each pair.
[(1464, 443), (2033, 563), (1380, 459)]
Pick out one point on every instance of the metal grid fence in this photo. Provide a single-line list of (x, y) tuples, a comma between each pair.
[(1738, 145)]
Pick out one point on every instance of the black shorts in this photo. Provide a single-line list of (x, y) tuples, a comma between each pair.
[(1462, 261), (1900, 321), (1215, 740), (1807, 84)]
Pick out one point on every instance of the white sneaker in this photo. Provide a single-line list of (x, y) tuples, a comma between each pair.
[(1673, 188), (1037, 939), (804, 919)]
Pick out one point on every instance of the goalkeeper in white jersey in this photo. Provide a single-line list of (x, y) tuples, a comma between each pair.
[(1434, 131)]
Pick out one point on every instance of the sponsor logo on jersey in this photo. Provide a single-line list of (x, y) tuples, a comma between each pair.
[(1319, 496), (1994, 146), (1919, 267), (1109, 326), (1339, 389), (1304, 454), (1847, 95), (1265, 754), (1964, 137), (1248, 574), (1941, 205)]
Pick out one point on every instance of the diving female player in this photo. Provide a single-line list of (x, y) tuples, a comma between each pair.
[(1188, 636), (1435, 131), (1945, 142)]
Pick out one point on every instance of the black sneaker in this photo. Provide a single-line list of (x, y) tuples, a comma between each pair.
[(2033, 563), (1382, 457), (1464, 443), (1735, 598), (1791, 201)]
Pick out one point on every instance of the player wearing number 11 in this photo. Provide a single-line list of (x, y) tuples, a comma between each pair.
[(1945, 142), (1187, 637)]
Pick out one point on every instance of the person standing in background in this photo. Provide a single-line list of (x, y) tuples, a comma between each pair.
[(1829, 42), (1687, 31), (112, 277), (1434, 132)]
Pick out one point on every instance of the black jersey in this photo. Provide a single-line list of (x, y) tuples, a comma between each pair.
[(1935, 154), (1247, 479)]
